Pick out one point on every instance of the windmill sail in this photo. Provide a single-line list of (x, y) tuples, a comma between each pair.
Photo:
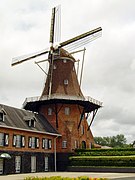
[(20, 59), (89, 34)]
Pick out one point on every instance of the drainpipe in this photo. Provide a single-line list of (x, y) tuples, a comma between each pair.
[(55, 158)]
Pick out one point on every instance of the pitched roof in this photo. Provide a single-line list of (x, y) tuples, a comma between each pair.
[(17, 119)]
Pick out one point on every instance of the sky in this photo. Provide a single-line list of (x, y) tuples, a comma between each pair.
[(109, 68)]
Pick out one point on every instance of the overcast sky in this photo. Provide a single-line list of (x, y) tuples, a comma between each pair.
[(109, 70)]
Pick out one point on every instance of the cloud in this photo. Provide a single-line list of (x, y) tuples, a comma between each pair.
[(109, 61)]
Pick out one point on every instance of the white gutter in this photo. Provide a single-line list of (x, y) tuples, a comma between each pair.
[(55, 157), (30, 130)]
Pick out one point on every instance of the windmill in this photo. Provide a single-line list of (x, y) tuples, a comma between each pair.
[(69, 44)]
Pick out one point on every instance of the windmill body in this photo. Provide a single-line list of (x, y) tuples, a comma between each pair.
[(62, 101)]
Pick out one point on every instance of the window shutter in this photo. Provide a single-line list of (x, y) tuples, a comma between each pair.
[(6, 139), (14, 140), (37, 142), (43, 143), (29, 142), (49, 143), (23, 141)]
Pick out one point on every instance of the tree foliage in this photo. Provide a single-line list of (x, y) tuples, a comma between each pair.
[(112, 141)]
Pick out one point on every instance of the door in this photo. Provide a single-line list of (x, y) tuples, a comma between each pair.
[(17, 164), (46, 163), (33, 163), (1, 166)]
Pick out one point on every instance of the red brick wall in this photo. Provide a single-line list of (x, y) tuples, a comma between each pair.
[(68, 126), (27, 134)]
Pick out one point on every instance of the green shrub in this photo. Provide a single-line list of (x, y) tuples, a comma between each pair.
[(105, 152), (115, 161)]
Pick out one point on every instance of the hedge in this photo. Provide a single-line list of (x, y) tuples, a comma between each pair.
[(63, 178), (105, 152), (111, 161)]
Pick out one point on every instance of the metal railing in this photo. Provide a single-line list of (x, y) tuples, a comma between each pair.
[(86, 98)]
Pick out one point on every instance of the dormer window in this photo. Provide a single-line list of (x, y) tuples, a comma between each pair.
[(31, 123), (1, 116), (66, 81), (30, 120)]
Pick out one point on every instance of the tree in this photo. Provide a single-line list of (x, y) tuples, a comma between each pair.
[(112, 141)]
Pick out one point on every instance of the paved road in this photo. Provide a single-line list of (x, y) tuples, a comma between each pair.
[(114, 176)]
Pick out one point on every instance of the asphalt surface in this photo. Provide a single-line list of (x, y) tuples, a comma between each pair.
[(115, 176)]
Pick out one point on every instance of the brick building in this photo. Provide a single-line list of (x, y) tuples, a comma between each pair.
[(27, 142)]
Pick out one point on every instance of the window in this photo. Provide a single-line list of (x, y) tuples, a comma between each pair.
[(46, 143), (82, 129), (1, 116), (49, 111), (46, 163), (18, 140), (76, 144), (90, 145), (64, 60), (33, 163), (64, 144), (66, 81), (67, 110), (1, 166), (17, 164), (23, 141), (54, 66), (4, 139), (30, 141), (49, 143), (33, 142), (32, 122), (1, 139)]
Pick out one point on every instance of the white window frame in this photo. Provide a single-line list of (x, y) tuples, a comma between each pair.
[(37, 142), (1, 166), (64, 144), (23, 141), (2, 140), (17, 164), (33, 163), (33, 142), (66, 81), (49, 143), (54, 66), (76, 144), (29, 142), (18, 141), (67, 110), (1, 116), (46, 163), (46, 143), (6, 139), (49, 111), (64, 60), (82, 129)]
